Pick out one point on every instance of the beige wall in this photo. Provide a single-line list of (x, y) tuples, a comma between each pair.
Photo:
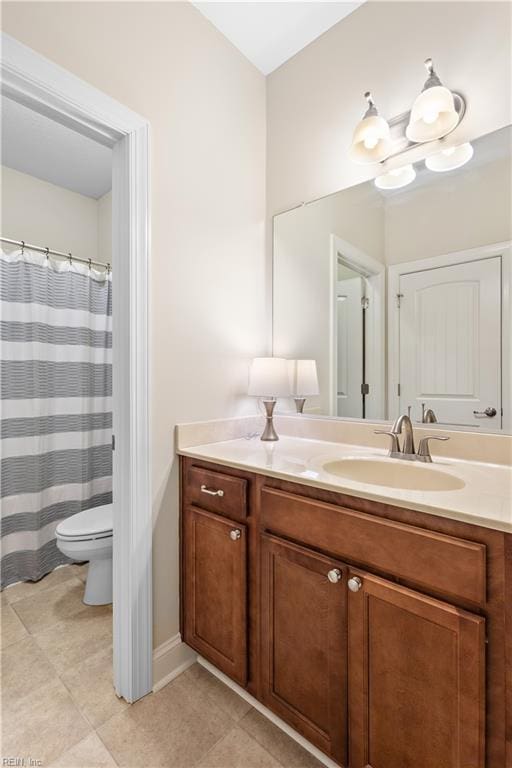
[(315, 99), (45, 214), (206, 106)]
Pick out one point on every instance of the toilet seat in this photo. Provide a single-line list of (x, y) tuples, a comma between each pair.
[(95, 523), (89, 536)]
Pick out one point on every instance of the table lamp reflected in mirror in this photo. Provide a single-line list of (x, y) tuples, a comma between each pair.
[(303, 381)]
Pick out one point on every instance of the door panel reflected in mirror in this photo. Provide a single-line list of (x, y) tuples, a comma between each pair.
[(403, 296)]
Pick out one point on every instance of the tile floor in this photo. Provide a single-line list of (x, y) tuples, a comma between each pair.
[(59, 707)]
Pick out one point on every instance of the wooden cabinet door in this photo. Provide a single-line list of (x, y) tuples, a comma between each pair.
[(303, 642), (215, 590), (416, 679)]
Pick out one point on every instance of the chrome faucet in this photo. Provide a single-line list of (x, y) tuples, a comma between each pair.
[(407, 451), (404, 422)]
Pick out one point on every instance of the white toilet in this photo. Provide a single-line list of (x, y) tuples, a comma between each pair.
[(88, 536)]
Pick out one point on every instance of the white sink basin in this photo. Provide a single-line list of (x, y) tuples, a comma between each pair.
[(394, 474)]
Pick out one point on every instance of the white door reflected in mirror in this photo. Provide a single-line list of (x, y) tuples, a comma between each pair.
[(450, 341)]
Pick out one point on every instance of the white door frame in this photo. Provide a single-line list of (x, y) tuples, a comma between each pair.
[(375, 273), (395, 271), (38, 83)]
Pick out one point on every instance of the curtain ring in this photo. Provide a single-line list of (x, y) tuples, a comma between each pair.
[(47, 252), (90, 264), (108, 268), (70, 259), (22, 247)]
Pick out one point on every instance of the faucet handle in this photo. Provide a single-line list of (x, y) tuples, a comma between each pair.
[(424, 449), (395, 445)]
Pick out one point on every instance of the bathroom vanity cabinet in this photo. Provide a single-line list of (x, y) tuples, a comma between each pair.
[(380, 634)]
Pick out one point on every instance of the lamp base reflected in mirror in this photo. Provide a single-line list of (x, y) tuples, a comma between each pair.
[(299, 404), (269, 433)]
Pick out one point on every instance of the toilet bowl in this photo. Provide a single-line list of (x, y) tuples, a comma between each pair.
[(88, 535)]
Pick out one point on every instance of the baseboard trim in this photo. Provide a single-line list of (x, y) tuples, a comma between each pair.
[(169, 660), (268, 714)]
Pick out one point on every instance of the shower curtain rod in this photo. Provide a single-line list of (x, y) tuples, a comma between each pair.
[(49, 251)]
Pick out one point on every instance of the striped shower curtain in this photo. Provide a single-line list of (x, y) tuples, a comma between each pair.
[(56, 404)]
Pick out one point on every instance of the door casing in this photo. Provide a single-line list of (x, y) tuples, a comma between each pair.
[(374, 273), (39, 84)]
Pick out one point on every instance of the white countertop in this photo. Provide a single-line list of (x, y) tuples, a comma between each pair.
[(485, 499)]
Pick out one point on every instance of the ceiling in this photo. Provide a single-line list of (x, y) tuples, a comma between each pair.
[(269, 33), (37, 145)]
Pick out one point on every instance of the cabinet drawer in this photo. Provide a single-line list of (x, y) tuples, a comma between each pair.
[(433, 561), (217, 492)]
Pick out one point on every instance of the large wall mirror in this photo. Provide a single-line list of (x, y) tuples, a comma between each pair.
[(402, 296)]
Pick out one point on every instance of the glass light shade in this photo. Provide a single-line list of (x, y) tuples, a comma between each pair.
[(303, 377), (268, 377), (397, 178), (371, 142), (433, 115), (450, 158)]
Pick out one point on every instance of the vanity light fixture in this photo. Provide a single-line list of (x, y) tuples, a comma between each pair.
[(268, 379), (371, 142), (450, 158), (399, 177), (433, 114), (303, 381)]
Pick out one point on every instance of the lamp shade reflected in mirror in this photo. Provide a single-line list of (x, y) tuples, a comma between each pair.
[(303, 377), (450, 158), (397, 178)]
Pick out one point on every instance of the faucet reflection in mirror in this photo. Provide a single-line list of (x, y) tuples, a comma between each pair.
[(268, 379), (303, 381)]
